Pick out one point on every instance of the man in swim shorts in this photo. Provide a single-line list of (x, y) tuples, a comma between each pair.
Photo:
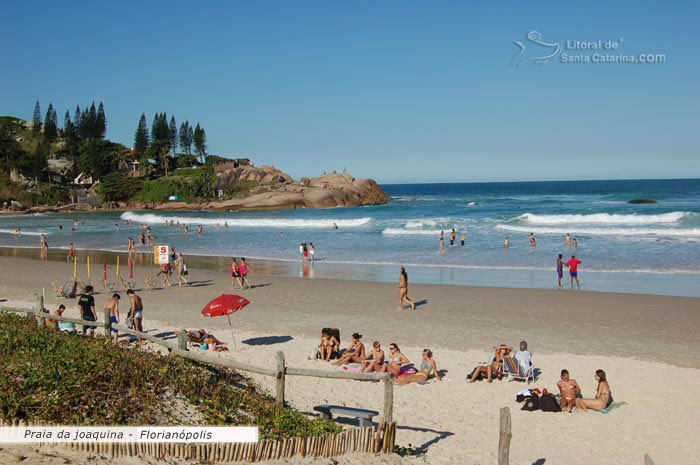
[(87, 310), (573, 271), (136, 312), (560, 270), (113, 306)]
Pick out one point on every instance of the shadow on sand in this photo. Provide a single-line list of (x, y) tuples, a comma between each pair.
[(267, 340)]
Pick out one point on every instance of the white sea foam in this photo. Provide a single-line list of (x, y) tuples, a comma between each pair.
[(410, 232), (150, 218), (603, 218), (22, 233), (420, 223), (694, 232)]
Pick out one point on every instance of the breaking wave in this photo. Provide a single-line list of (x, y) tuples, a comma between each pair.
[(694, 232), (604, 218), (326, 223)]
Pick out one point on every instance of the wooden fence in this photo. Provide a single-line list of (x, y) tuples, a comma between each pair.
[(351, 441)]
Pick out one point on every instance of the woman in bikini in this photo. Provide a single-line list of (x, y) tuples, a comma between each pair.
[(396, 360), (375, 359), (328, 345), (235, 274), (354, 353), (603, 398), (403, 290), (427, 367), (568, 388), (493, 367)]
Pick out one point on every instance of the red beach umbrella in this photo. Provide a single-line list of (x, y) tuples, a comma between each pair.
[(225, 304)]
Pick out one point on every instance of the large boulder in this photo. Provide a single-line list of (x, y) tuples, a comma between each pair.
[(229, 175)]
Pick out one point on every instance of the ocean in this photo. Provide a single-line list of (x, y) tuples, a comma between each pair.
[(646, 248)]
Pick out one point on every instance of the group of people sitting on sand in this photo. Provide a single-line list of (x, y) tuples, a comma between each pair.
[(376, 361), (569, 390), (206, 341)]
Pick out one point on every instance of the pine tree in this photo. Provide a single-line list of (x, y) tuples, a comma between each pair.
[(200, 142), (141, 137), (76, 122), (50, 128), (186, 137), (91, 123), (172, 134), (36, 120), (67, 126), (101, 123)]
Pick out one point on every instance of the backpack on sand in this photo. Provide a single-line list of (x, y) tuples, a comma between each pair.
[(531, 403), (548, 403)]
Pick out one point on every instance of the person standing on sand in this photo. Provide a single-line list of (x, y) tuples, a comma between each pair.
[(44, 247), (403, 290), (113, 305), (567, 240), (453, 236), (181, 270), (235, 274), (560, 270), (87, 309), (442, 241), (301, 252), (243, 269), (464, 237), (71, 253), (131, 247), (572, 265), (136, 312)]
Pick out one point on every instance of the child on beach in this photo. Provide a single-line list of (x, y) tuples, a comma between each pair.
[(568, 389)]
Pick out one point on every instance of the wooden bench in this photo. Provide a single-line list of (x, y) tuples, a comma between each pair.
[(364, 416)]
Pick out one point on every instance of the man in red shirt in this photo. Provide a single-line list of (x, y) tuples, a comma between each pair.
[(572, 265)]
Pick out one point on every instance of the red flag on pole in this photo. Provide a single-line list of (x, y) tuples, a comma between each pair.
[(131, 268), (104, 268)]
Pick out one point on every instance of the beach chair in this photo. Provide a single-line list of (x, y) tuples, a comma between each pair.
[(513, 370)]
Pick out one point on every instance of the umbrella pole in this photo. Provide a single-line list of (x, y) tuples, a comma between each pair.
[(232, 336)]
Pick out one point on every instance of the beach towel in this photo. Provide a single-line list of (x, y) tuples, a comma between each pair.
[(353, 367), (612, 406), (406, 372)]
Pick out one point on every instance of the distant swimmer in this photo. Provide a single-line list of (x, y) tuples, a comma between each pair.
[(335, 226), (532, 240), (71, 253), (442, 241), (575, 243), (560, 270), (200, 229), (506, 242), (464, 237), (142, 238), (17, 231), (60, 226), (226, 224), (72, 231), (453, 236), (218, 226), (116, 227), (567, 240), (186, 231), (572, 265)]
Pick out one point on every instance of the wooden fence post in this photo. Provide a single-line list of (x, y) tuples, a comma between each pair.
[(504, 438), (107, 323), (39, 309), (279, 375), (648, 460), (388, 400), (182, 339)]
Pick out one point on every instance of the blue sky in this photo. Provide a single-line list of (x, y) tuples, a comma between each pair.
[(398, 91)]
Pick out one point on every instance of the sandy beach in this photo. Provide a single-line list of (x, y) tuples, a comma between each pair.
[(646, 344)]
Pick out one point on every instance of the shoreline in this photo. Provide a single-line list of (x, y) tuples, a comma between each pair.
[(628, 282)]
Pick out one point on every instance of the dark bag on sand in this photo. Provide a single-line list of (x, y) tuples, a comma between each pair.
[(549, 404), (531, 403)]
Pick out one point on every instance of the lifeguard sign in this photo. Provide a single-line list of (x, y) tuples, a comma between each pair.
[(161, 254)]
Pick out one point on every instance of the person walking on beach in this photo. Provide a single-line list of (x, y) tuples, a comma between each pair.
[(301, 252), (44, 247), (113, 305), (560, 270), (453, 236), (136, 312), (403, 290), (243, 269), (442, 241), (87, 310), (572, 265), (71, 253), (165, 270), (131, 246), (181, 270), (235, 274), (464, 237)]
